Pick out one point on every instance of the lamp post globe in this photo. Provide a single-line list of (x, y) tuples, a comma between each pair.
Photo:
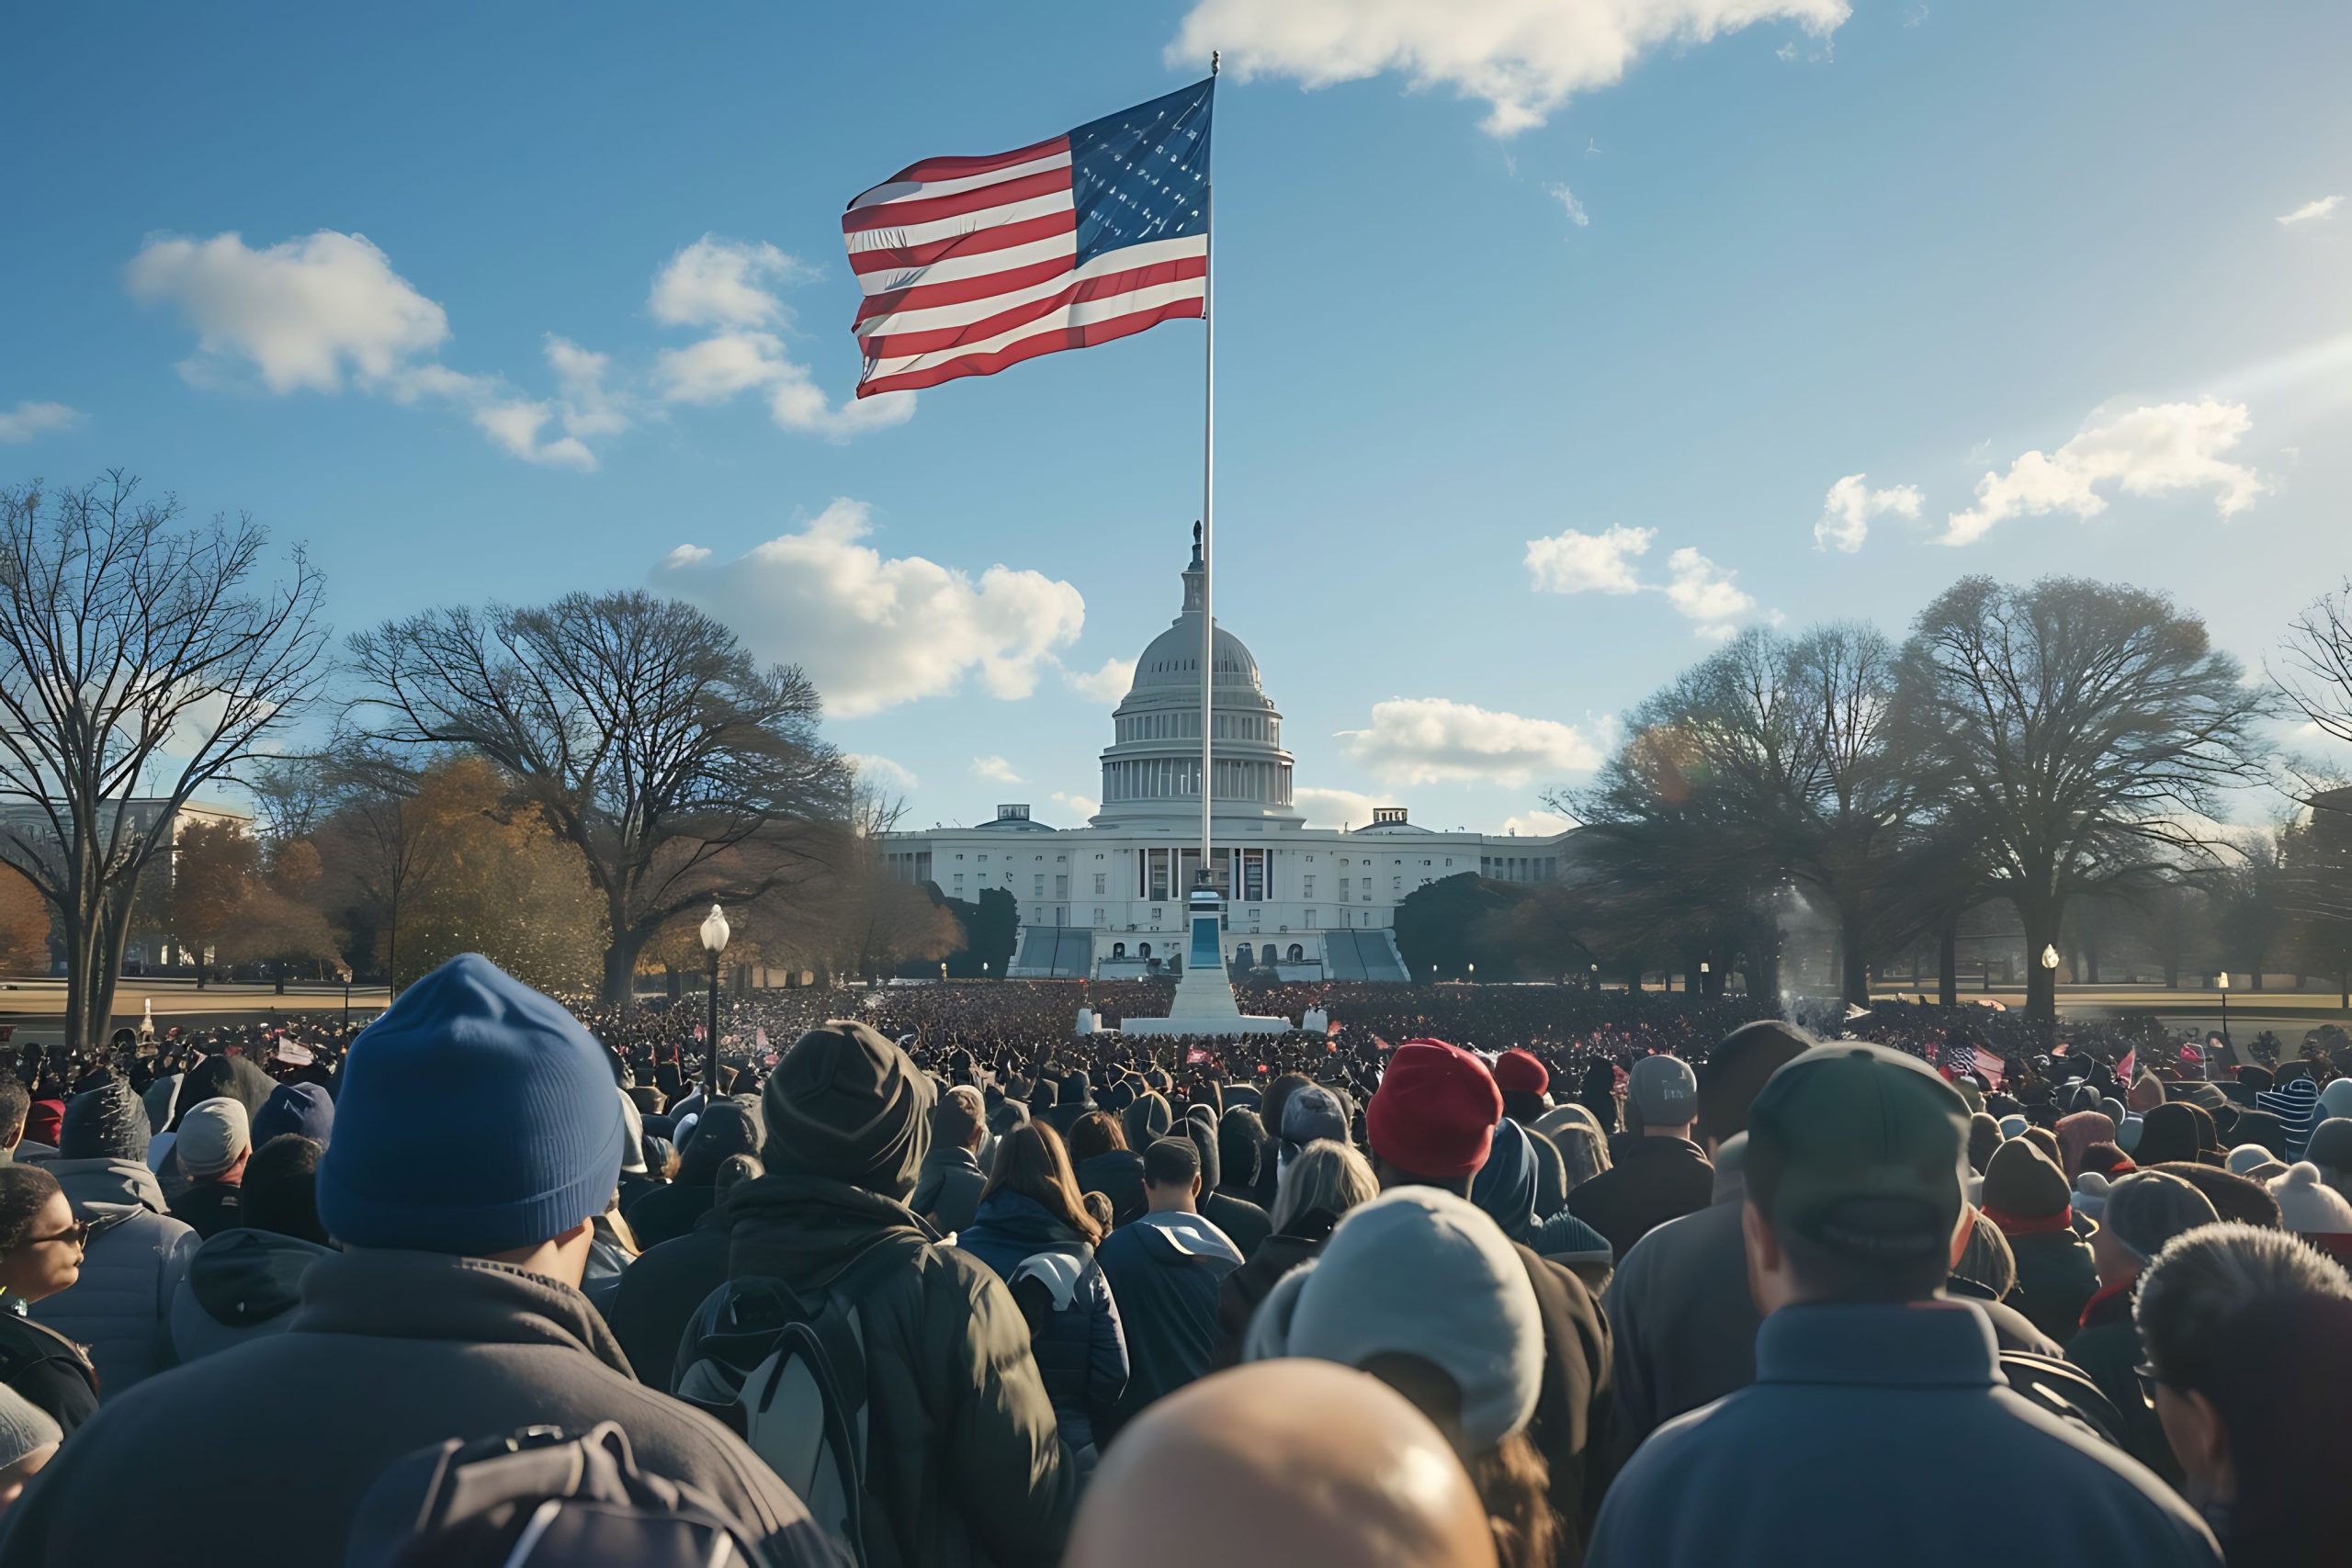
[(715, 932), (2222, 983)]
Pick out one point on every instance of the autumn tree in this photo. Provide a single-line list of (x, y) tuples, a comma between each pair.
[(683, 771), (140, 661), (2082, 729), (214, 866), (23, 926)]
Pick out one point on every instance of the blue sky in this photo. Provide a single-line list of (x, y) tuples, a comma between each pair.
[(1540, 363)]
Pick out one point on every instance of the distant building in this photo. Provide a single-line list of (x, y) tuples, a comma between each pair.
[(28, 824), (1106, 900)]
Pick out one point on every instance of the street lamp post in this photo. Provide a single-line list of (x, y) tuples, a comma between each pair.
[(1705, 969), (715, 932), (2049, 967), (1595, 977), (1474, 974), (2222, 983)]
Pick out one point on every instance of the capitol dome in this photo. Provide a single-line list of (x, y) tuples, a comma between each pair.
[(1152, 767)]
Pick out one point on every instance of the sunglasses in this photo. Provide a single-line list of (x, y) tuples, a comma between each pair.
[(75, 1234), (2148, 1381)]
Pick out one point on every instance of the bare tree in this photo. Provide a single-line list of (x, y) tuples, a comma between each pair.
[(2085, 731), (682, 770), (137, 658)]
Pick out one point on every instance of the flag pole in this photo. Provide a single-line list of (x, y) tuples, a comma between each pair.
[(1208, 518)]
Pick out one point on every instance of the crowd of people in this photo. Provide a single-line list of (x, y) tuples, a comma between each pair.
[(1506, 1276)]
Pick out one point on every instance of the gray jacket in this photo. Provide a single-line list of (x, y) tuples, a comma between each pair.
[(121, 1308), (1683, 1322)]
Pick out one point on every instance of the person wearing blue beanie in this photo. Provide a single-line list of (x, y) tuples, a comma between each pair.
[(477, 1136), (302, 1107), (477, 1116)]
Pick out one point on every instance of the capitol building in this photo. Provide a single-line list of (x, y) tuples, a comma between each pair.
[(1106, 901)]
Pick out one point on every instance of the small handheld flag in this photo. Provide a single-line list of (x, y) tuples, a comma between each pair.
[(970, 265)]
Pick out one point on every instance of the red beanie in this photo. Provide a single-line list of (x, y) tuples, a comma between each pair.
[(1435, 1111), (45, 1122), (1520, 1072)]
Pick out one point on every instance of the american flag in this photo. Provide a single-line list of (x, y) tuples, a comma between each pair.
[(1960, 1057), (970, 265)]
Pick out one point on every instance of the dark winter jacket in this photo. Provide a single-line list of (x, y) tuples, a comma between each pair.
[(668, 1211), (1576, 1405), (208, 1208), (1844, 1449), (2107, 1347), (50, 1370), (1165, 1270), (2056, 1279), (239, 1285), (1654, 1181), (121, 1308), (389, 1352), (948, 1189), (1118, 1176), (1246, 1289), (658, 1292), (1506, 1188), (1075, 1333), (964, 1464), (1244, 1224)]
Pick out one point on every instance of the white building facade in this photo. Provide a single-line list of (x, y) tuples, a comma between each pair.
[(1107, 900)]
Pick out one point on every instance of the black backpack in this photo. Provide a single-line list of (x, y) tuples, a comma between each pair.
[(784, 1370), (542, 1497), (2062, 1389)]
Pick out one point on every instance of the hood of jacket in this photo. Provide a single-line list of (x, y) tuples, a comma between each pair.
[(811, 1229), (1177, 1239), (1016, 1217), (433, 1295), (92, 1184), (1505, 1185), (241, 1276)]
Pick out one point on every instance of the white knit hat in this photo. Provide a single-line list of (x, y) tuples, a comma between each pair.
[(2307, 1205), (1420, 1272)]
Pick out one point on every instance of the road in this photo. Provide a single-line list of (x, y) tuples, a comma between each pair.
[(36, 1008)]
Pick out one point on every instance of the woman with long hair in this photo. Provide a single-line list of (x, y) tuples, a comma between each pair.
[(1321, 1184), (42, 1245), (1032, 1228)]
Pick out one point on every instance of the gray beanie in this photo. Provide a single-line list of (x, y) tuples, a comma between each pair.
[(2331, 1145), (2149, 1208), (1419, 1271), (632, 1137), (24, 1427)]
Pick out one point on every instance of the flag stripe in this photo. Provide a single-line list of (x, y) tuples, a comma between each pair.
[(965, 300), (1079, 291), (896, 190), (981, 163), (988, 198), (956, 225), (968, 255), (1030, 348), (1075, 315)]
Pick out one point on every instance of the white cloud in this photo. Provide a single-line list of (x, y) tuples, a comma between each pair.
[(1846, 511), (797, 403), (1522, 58), (720, 283), (1107, 685), (880, 771), (995, 769), (2317, 211), (1537, 824), (874, 631), (1418, 739), (1079, 805), (304, 312), (1336, 807), (685, 554), (1560, 192), (2159, 450), (1570, 562), (27, 420), (313, 313), (728, 363), (1703, 591)]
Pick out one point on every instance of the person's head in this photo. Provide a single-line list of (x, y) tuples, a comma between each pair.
[(1853, 1179), (2248, 1337), (1308, 1462), (281, 1189), (1662, 1097), (1094, 1135), (1327, 1178), (1523, 1078), (1171, 1176), (476, 1117), (40, 1241), (1277, 1096), (1030, 1160), (1241, 1147), (2173, 1131), (105, 1122), (1147, 1117), (1433, 1121), (960, 1120), (2310, 1208), (2234, 1197), (1736, 1074), (1983, 1257), (848, 1105), (733, 1171), (15, 1102), (2144, 1211), (1420, 1289), (2331, 1149), (2025, 1192), (2077, 1134), (1311, 1113), (302, 1107), (215, 1139), (731, 1126)]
